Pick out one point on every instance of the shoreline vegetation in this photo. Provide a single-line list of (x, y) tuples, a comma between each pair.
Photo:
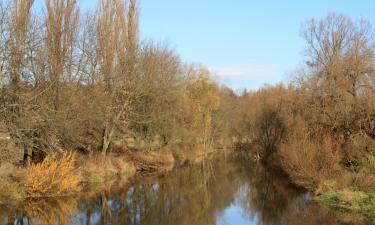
[(120, 105), (73, 174), (356, 203)]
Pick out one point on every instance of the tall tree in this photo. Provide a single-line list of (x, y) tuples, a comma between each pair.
[(341, 62), (116, 53), (61, 23)]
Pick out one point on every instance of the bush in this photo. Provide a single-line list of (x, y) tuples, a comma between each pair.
[(270, 130), (310, 163), (53, 177), (359, 153)]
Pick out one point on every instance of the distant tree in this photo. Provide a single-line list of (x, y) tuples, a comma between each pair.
[(202, 100)]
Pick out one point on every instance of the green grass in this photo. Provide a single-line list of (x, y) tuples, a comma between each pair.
[(128, 171), (357, 203), (95, 181)]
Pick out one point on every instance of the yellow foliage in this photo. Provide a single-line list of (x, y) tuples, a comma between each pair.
[(53, 177), (202, 100)]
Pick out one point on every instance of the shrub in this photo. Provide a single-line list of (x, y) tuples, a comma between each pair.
[(53, 177), (359, 152), (270, 130), (310, 163)]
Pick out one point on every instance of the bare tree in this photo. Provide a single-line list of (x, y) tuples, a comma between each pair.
[(341, 60), (61, 23), (4, 40), (20, 17), (113, 52)]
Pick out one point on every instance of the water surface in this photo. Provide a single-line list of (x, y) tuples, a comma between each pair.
[(225, 191)]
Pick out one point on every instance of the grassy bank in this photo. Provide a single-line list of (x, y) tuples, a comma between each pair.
[(340, 175), (62, 176), (356, 203), (72, 174)]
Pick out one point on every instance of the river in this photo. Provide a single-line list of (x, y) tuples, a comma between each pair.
[(225, 191)]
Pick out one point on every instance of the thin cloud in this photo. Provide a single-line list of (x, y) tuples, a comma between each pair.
[(246, 71), (248, 77)]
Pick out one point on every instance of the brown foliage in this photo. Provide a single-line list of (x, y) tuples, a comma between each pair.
[(270, 130), (84, 83), (310, 163)]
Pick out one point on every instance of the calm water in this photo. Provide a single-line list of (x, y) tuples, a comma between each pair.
[(224, 191)]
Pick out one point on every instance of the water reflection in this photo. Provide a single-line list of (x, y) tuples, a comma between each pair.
[(225, 191)]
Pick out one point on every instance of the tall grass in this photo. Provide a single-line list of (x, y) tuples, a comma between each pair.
[(99, 169), (12, 190)]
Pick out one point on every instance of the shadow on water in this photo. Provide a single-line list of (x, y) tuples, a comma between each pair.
[(222, 191)]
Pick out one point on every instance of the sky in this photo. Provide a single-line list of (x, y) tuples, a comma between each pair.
[(245, 43)]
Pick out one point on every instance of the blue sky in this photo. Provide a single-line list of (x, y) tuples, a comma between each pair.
[(245, 43)]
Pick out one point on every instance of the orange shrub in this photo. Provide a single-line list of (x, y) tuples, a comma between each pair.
[(310, 163), (53, 177)]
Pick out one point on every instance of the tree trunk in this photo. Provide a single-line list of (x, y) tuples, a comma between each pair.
[(27, 156), (107, 138)]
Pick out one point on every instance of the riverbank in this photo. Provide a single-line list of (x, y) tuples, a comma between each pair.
[(229, 190), (356, 203), (71, 173), (346, 191)]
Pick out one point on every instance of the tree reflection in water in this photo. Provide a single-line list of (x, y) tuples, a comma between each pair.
[(196, 195)]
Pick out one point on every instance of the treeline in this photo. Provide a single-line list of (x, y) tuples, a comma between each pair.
[(320, 128), (84, 81)]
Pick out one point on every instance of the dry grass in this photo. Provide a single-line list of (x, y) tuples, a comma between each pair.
[(53, 177), (61, 177), (364, 180), (356, 203), (99, 169), (11, 179), (11, 192), (10, 171)]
